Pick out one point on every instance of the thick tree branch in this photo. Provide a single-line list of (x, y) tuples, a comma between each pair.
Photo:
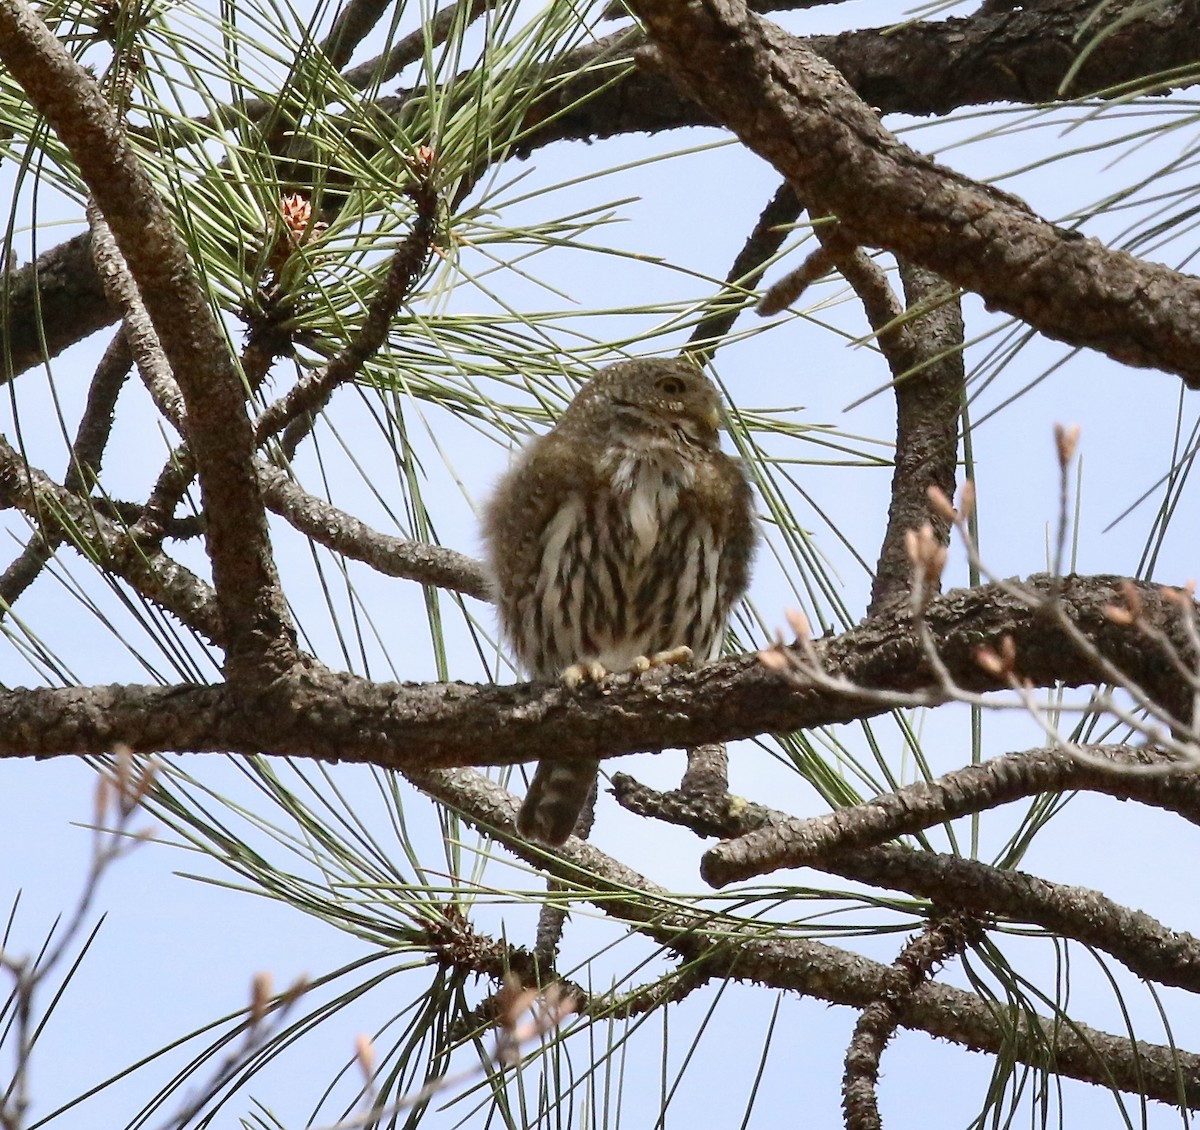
[(258, 642), (50, 304), (962, 792), (334, 716), (1022, 56), (1019, 56), (1140, 942), (795, 110)]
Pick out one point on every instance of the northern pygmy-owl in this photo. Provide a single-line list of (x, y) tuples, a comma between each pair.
[(623, 532)]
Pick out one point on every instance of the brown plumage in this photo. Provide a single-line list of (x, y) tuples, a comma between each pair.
[(623, 532)]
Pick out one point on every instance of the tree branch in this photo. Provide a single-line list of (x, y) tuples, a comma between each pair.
[(941, 939), (768, 235), (63, 516), (50, 304), (1019, 56), (795, 110), (925, 357), (138, 330), (336, 716), (727, 947), (83, 467), (347, 535), (259, 642), (962, 792), (1142, 943)]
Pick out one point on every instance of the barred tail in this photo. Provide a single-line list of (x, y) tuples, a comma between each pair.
[(558, 794)]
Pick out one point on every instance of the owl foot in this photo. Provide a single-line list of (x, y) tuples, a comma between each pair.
[(669, 658), (588, 672), (593, 671)]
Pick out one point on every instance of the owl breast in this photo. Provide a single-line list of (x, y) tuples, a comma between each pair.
[(626, 570)]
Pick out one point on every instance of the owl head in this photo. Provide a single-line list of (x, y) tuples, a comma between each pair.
[(648, 399)]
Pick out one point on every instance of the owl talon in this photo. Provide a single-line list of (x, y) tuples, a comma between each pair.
[(587, 672), (668, 658)]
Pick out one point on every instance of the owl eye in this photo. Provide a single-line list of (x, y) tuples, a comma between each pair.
[(672, 386)]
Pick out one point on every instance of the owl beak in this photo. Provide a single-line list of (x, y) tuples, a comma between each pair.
[(714, 418)]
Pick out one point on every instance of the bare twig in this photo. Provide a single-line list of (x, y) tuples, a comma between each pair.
[(524, 1016), (924, 354), (119, 795), (87, 451), (1161, 717), (941, 939), (265, 1014), (769, 233)]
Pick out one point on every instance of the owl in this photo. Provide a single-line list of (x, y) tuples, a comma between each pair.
[(622, 536)]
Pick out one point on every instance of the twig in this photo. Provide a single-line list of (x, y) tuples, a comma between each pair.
[(87, 451), (1177, 729), (766, 238), (940, 940), (119, 792), (524, 1016), (347, 535), (1169, 707), (264, 1017), (294, 414), (924, 354)]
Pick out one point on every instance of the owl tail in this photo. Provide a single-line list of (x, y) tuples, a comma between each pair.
[(558, 796)]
